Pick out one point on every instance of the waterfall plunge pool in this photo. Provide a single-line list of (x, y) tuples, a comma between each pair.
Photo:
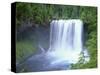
[(65, 48)]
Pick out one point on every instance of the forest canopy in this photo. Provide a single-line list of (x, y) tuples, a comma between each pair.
[(44, 13)]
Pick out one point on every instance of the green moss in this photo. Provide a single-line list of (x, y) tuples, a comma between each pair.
[(24, 49)]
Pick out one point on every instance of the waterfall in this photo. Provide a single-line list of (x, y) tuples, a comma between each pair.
[(66, 40)]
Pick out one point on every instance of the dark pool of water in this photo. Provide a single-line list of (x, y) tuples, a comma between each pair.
[(40, 62)]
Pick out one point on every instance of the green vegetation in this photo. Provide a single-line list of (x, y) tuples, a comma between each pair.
[(24, 49), (42, 14)]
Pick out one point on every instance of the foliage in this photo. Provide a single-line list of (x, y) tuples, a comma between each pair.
[(24, 49), (42, 14)]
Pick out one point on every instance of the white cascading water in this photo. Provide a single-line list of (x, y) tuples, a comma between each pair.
[(66, 40)]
